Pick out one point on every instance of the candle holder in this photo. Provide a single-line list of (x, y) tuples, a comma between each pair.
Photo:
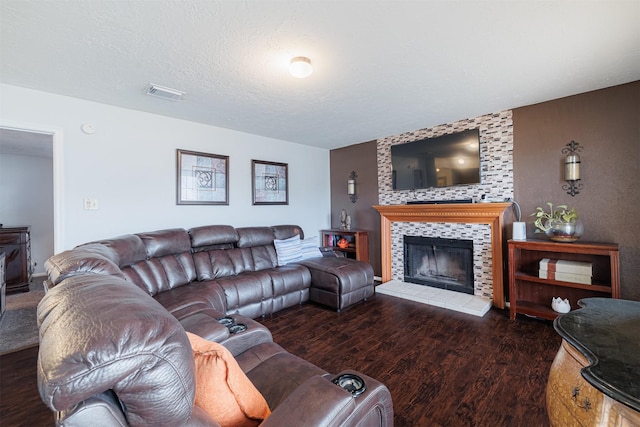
[(572, 168)]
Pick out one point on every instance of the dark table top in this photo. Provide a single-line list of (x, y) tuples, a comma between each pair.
[(607, 332)]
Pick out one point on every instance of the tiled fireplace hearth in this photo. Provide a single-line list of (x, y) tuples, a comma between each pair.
[(480, 222)]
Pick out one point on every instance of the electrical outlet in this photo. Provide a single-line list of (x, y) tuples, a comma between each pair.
[(90, 204)]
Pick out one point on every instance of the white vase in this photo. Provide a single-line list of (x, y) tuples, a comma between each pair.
[(560, 305)]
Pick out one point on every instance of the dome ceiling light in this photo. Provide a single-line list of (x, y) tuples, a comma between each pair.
[(300, 67)]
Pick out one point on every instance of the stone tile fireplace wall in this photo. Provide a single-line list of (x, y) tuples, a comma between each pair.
[(496, 158), (496, 161)]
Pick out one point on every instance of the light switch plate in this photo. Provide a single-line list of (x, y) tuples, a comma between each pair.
[(90, 204)]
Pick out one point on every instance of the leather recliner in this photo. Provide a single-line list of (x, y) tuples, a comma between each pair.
[(110, 355)]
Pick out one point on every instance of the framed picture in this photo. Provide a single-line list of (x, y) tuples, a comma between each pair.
[(202, 178), (269, 183)]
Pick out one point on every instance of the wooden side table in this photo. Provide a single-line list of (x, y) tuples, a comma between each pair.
[(358, 242)]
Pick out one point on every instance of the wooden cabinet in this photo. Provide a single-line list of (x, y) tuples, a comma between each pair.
[(15, 242), (532, 295), (357, 242)]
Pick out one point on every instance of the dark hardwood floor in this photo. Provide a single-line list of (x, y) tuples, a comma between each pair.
[(20, 403), (443, 368)]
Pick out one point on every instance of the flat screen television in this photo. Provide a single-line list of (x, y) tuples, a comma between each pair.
[(443, 161)]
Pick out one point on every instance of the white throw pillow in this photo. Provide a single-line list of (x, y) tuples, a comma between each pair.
[(309, 247), (288, 250)]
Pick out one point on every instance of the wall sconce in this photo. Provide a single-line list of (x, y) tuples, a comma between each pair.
[(351, 186), (572, 168)]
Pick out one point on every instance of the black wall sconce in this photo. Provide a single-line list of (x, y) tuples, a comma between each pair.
[(572, 168), (351, 186)]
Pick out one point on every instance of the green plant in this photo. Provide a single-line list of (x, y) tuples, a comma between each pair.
[(560, 212)]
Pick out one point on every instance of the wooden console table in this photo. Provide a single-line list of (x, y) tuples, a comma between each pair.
[(595, 378)]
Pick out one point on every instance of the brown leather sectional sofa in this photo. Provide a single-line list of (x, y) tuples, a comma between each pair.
[(113, 347)]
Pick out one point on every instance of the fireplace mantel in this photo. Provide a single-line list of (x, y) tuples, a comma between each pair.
[(468, 213)]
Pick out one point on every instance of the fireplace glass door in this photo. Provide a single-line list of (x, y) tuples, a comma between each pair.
[(438, 262)]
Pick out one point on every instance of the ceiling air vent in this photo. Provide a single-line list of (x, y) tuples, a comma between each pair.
[(164, 92)]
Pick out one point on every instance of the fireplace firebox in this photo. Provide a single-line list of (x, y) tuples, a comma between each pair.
[(441, 263)]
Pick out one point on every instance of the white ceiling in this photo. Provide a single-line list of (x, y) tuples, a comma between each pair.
[(380, 67)]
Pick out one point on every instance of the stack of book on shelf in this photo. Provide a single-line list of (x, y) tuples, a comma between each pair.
[(566, 271)]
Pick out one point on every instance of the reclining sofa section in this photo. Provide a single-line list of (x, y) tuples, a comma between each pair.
[(116, 354), (232, 270)]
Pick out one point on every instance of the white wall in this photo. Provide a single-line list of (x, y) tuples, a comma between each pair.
[(26, 198), (129, 166)]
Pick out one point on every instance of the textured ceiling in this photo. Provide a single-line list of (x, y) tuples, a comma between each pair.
[(380, 67)]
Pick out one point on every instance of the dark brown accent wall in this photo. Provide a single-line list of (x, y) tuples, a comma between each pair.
[(361, 158), (606, 123)]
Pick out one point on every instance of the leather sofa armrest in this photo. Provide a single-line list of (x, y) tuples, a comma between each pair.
[(104, 410), (255, 334), (205, 324), (315, 402), (374, 406), (318, 401)]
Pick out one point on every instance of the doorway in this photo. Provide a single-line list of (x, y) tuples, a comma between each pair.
[(27, 192)]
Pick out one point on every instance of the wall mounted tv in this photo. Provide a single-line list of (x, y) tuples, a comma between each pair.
[(447, 160)]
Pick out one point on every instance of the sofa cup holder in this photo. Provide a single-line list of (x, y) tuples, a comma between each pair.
[(233, 327), (226, 321), (237, 328), (351, 383)]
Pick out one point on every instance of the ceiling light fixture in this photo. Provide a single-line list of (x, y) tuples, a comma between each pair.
[(300, 67)]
